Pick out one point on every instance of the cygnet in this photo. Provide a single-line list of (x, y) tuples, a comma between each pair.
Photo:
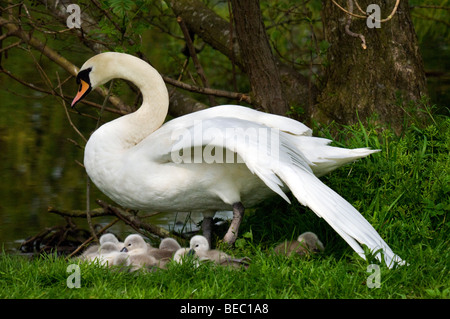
[(307, 243), (139, 252), (200, 246), (111, 238), (169, 244)]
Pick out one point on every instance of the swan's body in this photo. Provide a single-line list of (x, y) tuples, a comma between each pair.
[(136, 161)]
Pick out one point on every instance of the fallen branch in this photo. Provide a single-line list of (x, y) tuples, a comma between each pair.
[(87, 241), (135, 221), (97, 212)]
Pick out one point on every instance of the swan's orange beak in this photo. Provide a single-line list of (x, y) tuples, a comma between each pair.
[(84, 89)]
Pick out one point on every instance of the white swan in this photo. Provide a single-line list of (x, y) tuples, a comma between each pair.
[(142, 164)]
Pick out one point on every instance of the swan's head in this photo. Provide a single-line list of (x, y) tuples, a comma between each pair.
[(134, 242), (311, 242), (102, 68), (199, 243)]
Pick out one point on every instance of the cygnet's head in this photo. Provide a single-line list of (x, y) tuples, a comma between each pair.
[(133, 242), (108, 238), (108, 247), (311, 242), (199, 243)]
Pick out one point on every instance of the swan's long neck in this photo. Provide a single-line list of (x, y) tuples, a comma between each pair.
[(133, 128)]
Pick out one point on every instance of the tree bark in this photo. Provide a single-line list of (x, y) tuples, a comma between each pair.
[(383, 78), (257, 55), (214, 30)]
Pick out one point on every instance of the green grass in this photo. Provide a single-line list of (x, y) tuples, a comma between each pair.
[(403, 191)]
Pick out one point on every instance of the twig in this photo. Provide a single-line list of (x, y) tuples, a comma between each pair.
[(359, 7), (14, 30), (197, 89), (36, 88), (10, 46), (389, 17), (67, 112), (347, 26), (430, 7), (194, 57), (88, 207), (87, 241), (350, 13), (98, 212), (232, 56), (104, 103), (135, 222)]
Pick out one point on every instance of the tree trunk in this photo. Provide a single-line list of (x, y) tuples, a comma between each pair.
[(383, 78), (215, 31), (258, 58)]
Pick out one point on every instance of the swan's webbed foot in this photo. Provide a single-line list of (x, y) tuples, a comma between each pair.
[(232, 233)]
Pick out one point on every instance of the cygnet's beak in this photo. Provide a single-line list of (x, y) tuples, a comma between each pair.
[(124, 250), (191, 252)]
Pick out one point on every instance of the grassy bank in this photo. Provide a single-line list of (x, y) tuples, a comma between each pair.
[(403, 191)]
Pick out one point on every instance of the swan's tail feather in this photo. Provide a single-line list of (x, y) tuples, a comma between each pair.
[(328, 204), (339, 214), (326, 158)]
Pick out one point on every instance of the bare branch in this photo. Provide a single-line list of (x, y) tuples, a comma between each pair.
[(194, 57), (219, 93)]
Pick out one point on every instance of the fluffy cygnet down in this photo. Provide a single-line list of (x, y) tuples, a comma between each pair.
[(111, 238), (93, 251), (307, 243), (106, 254), (199, 247), (140, 253), (169, 244)]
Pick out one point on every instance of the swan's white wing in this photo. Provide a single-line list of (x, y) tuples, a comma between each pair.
[(283, 123), (279, 161)]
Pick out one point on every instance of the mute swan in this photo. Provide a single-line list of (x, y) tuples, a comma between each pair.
[(137, 161), (305, 244)]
